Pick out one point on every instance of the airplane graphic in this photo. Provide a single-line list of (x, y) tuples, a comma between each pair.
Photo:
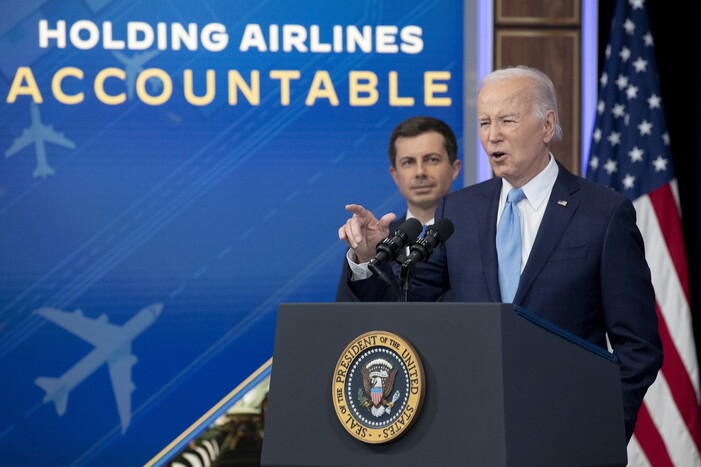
[(112, 346), (39, 134), (133, 66)]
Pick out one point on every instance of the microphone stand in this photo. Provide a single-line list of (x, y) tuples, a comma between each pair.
[(405, 277)]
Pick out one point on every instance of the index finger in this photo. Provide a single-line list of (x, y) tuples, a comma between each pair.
[(358, 210)]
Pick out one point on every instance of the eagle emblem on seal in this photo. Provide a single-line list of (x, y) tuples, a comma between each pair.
[(378, 382)]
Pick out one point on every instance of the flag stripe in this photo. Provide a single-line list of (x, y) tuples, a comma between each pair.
[(667, 418), (679, 384), (667, 212), (672, 400), (668, 291), (636, 456), (680, 366), (650, 442)]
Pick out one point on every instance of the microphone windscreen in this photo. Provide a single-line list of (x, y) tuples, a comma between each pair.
[(411, 227), (444, 228)]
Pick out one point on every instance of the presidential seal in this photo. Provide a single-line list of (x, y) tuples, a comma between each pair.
[(378, 387)]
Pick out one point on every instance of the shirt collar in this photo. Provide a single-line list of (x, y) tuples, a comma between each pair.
[(409, 215), (538, 189)]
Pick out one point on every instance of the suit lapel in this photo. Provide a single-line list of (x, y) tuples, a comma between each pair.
[(487, 232), (558, 213)]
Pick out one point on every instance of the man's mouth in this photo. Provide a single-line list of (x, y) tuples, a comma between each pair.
[(498, 155)]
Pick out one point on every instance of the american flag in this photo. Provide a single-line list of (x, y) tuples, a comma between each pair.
[(630, 152)]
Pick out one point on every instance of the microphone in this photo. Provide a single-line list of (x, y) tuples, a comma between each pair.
[(435, 235), (388, 248)]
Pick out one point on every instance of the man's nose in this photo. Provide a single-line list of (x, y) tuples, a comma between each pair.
[(495, 132)]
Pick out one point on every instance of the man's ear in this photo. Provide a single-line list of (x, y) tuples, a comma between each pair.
[(549, 125), (393, 173), (456, 168)]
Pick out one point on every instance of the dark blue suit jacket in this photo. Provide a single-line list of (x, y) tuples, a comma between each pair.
[(586, 273)]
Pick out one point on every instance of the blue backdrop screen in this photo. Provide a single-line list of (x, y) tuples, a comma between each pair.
[(173, 171)]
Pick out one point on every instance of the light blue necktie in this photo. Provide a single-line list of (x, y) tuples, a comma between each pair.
[(509, 246)]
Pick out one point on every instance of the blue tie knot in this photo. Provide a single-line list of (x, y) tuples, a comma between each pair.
[(515, 196)]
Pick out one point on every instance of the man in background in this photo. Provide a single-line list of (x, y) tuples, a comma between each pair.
[(423, 157)]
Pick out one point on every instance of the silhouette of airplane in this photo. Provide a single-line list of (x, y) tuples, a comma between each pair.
[(38, 133), (133, 66), (112, 346)]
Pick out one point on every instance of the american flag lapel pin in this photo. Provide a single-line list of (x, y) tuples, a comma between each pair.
[(562, 202)]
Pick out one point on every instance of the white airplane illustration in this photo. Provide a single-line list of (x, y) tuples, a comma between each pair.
[(112, 346), (133, 66), (39, 134)]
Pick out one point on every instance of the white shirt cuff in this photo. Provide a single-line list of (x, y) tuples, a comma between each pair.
[(358, 271)]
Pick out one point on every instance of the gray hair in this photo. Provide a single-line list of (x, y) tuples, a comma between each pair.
[(543, 96)]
